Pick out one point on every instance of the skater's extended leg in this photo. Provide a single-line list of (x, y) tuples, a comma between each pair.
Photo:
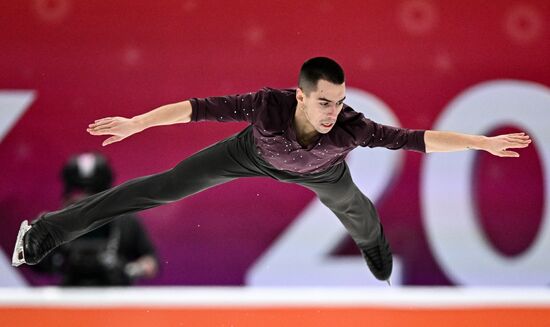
[(214, 165), (359, 216)]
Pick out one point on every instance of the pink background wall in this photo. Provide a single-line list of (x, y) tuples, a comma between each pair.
[(87, 60)]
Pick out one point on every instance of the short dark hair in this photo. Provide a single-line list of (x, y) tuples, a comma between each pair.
[(318, 68)]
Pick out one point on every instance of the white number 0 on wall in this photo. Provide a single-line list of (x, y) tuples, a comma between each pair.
[(456, 239)]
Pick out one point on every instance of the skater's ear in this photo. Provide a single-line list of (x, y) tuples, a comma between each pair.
[(299, 95)]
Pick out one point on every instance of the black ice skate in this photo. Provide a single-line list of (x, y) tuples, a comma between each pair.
[(33, 243), (379, 258)]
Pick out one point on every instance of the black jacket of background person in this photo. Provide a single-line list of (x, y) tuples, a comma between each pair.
[(98, 258)]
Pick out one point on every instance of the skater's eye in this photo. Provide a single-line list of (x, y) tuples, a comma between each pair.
[(324, 104)]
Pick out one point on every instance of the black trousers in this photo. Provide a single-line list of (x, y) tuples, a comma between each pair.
[(224, 161)]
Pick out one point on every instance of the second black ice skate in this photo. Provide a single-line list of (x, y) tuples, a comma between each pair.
[(379, 258)]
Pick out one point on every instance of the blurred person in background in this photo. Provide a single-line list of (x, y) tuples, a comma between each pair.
[(115, 254)]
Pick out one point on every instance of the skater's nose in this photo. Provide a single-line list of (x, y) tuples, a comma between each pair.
[(332, 113)]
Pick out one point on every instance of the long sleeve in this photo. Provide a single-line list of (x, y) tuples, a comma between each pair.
[(230, 108), (378, 135), (366, 132)]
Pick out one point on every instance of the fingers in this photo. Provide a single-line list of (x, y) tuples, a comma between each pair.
[(102, 122), (103, 131), (509, 154), (106, 119), (518, 143), (101, 126), (518, 137), (111, 140), (106, 126)]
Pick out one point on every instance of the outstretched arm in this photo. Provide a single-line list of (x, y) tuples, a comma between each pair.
[(120, 128), (437, 141)]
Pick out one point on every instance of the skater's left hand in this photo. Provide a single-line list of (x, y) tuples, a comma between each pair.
[(499, 145)]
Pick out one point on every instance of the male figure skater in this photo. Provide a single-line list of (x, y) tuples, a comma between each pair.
[(299, 136)]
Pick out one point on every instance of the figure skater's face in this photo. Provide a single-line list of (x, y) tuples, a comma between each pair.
[(322, 105)]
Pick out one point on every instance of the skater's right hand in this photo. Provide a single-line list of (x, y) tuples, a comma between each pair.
[(119, 127)]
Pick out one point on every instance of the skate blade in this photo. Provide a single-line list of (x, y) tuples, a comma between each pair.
[(388, 281), (18, 257)]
